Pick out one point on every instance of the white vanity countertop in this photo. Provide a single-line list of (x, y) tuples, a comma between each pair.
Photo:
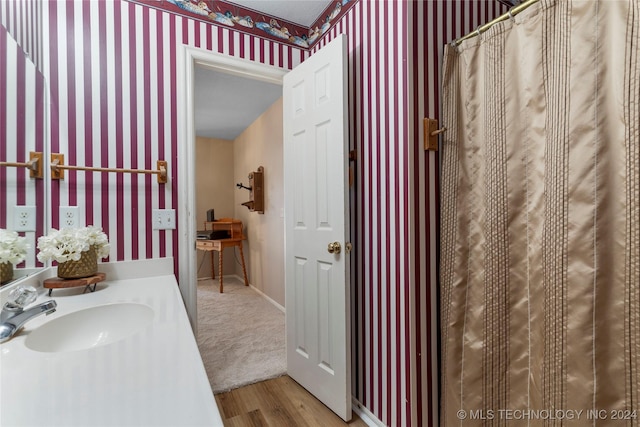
[(154, 377)]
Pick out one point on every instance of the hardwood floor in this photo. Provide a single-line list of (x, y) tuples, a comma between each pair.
[(277, 402)]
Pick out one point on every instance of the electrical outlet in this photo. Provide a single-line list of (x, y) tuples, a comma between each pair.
[(24, 218), (69, 216), (164, 219)]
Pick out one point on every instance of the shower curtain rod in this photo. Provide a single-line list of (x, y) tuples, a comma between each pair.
[(481, 29)]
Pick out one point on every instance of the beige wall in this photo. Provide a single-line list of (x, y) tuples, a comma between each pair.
[(261, 145), (215, 189)]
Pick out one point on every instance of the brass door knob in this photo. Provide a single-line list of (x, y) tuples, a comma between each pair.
[(334, 248)]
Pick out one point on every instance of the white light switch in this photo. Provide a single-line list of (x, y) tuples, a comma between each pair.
[(164, 219)]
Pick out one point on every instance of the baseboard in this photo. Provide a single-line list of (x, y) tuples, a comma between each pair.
[(226, 276), (265, 296), (268, 298), (364, 414)]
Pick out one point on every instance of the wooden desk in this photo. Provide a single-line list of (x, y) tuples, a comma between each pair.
[(235, 230)]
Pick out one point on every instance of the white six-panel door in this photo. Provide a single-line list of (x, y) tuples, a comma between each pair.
[(316, 215)]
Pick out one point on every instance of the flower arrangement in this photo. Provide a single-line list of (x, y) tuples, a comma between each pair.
[(13, 247), (68, 244)]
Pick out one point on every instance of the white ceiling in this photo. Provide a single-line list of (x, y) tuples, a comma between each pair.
[(301, 12), (225, 105)]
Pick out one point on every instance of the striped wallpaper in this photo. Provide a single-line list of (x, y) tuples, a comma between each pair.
[(23, 20), (111, 71), (379, 110), (433, 24), (22, 129), (395, 53)]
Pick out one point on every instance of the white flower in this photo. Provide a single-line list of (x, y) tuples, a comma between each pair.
[(13, 247), (69, 243)]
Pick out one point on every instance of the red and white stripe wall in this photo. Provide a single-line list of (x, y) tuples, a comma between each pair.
[(433, 24), (377, 37), (111, 73), (22, 118), (394, 81), (23, 20)]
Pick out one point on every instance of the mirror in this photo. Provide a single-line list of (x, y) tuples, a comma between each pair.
[(22, 131)]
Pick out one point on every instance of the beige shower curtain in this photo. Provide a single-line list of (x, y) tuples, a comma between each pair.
[(540, 249)]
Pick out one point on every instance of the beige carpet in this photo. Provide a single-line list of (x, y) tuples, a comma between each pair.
[(241, 335)]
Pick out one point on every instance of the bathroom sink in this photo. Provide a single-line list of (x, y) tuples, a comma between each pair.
[(90, 327)]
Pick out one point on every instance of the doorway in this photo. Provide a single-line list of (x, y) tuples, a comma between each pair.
[(241, 152), (238, 127), (313, 90), (187, 219)]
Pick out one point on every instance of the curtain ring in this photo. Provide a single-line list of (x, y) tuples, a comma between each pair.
[(478, 33), (511, 17)]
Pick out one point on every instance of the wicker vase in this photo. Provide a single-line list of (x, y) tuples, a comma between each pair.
[(86, 266), (6, 271)]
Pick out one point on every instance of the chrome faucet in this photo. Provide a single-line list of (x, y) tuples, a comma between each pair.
[(14, 316)]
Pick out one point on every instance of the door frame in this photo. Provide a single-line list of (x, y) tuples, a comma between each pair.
[(186, 208)]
